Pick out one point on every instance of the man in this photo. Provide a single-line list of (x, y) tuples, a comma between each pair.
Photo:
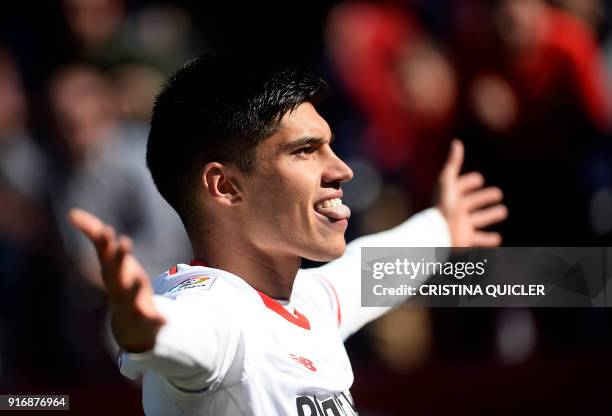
[(104, 173), (245, 159)]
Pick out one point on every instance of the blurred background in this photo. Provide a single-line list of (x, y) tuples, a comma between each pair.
[(526, 84)]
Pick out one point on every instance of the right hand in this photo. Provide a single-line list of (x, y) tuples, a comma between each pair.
[(134, 319)]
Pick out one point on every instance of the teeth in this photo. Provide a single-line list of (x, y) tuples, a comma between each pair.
[(334, 202)]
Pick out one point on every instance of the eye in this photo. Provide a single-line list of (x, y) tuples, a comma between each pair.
[(303, 151)]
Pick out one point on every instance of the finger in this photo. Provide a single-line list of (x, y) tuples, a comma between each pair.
[(489, 216), (101, 235), (483, 197), (126, 294), (112, 269), (106, 245), (126, 244), (452, 167), (87, 223), (486, 239), (470, 181)]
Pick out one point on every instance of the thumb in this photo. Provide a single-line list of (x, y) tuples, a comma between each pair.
[(453, 164)]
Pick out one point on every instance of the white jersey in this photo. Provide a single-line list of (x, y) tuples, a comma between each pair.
[(228, 349)]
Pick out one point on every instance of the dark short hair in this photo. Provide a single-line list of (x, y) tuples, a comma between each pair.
[(219, 109)]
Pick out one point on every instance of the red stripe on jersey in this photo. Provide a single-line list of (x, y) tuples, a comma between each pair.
[(195, 262), (173, 270), (337, 299), (297, 319)]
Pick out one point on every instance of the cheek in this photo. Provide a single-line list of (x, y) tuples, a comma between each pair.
[(280, 203), (282, 209), (292, 208)]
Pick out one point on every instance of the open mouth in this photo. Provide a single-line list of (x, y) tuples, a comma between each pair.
[(333, 210)]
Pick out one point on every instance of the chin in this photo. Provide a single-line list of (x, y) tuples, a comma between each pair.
[(328, 253)]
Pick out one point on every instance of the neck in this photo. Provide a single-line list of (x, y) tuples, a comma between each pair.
[(270, 273)]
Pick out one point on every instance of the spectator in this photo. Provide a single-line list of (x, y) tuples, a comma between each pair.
[(534, 103), (404, 86), (106, 173), (23, 223)]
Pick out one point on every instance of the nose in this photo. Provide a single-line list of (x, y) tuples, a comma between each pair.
[(337, 171)]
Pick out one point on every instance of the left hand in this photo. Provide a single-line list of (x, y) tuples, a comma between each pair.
[(467, 206)]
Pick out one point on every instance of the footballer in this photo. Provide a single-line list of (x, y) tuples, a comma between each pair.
[(239, 150)]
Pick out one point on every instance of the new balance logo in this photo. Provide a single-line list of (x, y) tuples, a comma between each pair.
[(304, 361)]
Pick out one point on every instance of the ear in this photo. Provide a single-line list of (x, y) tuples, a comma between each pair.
[(221, 183)]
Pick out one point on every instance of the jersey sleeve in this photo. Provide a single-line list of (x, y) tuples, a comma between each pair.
[(343, 276), (195, 348)]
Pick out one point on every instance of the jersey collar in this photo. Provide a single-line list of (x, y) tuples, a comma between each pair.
[(296, 318)]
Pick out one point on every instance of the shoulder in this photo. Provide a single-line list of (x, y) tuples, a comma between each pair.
[(183, 278)]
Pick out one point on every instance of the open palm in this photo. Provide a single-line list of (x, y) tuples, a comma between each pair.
[(467, 205), (135, 320)]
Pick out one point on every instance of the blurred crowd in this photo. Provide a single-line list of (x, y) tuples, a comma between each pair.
[(522, 83), (526, 84), (73, 134)]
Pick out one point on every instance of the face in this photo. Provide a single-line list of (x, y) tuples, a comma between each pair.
[(292, 201), (83, 107), (519, 23)]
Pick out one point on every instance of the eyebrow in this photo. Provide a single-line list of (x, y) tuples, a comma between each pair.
[(304, 141)]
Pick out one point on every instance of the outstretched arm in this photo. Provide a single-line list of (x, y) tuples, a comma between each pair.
[(465, 208), (161, 334)]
